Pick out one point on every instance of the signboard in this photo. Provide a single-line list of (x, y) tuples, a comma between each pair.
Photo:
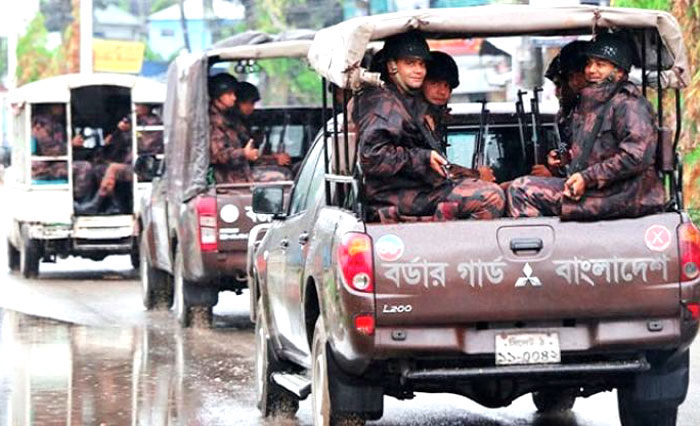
[(117, 56)]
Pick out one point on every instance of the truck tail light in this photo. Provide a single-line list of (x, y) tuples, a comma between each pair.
[(689, 241), (364, 324), (693, 311), (206, 217), (355, 259)]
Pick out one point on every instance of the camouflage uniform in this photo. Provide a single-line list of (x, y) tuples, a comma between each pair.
[(395, 160), (51, 141), (620, 174), (227, 155), (149, 142)]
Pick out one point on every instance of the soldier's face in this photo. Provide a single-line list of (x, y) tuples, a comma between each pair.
[(411, 71), (597, 70), (246, 107), (437, 92), (227, 100)]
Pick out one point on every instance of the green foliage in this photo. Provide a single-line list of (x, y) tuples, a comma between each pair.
[(34, 59), (643, 4), (157, 5), (288, 81)]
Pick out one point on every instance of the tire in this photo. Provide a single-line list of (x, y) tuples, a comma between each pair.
[(552, 401), (632, 414), (156, 285), (186, 313), (322, 410), (13, 257), (29, 257), (272, 400)]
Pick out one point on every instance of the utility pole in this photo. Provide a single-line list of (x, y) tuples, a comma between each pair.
[(183, 22), (86, 36)]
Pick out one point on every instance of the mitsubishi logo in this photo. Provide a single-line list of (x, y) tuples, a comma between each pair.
[(528, 278)]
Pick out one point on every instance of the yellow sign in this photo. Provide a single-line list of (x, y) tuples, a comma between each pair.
[(117, 56)]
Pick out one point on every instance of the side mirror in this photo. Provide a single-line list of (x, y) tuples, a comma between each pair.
[(5, 156), (268, 200)]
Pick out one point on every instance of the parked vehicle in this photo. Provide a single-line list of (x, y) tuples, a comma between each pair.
[(348, 310), (195, 230), (51, 117)]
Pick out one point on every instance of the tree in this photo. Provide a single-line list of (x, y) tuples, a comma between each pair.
[(34, 59)]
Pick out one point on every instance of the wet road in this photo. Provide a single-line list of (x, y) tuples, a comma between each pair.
[(77, 348)]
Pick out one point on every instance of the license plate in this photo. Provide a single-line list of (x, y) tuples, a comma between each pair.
[(527, 348)]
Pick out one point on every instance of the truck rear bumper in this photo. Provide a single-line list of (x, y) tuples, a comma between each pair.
[(597, 368)]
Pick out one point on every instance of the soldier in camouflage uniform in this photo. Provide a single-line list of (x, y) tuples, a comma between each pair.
[(402, 169), (231, 150), (49, 140), (268, 167), (566, 71), (613, 149), (149, 141)]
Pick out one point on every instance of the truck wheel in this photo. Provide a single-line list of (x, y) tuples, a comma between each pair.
[(188, 314), (322, 410), (553, 401), (156, 285), (634, 414), (29, 257), (272, 399), (13, 257)]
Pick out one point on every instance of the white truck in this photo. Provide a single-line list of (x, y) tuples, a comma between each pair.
[(46, 219)]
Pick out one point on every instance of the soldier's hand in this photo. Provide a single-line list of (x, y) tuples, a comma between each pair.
[(78, 141), (250, 152), (283, 159), (486, 174), (540, 170), (437, 163), (574, 187)]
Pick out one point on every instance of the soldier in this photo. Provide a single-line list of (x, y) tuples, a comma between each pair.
[(442, 76), (566, 71), (149, 141), (613, 148), (231, 151), (49, 131), (403, 168)]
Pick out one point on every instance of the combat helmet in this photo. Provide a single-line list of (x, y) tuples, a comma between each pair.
[(220, 84), (613, 47), (411, 44), (442, 67)]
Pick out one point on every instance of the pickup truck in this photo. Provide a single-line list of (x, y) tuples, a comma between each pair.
[(194, 230), (348, 310)]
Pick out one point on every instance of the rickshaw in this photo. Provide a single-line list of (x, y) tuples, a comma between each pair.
[(80, 145)]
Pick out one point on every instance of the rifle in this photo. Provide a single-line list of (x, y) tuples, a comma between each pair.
[(520, 112), (479, 148), (561, 149), (536, 122)]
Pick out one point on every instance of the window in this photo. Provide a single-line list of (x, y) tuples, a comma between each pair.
[(301, 187), (149, 139), (49, 144)]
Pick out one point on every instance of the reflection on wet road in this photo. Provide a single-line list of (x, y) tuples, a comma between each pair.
[(84, 352)]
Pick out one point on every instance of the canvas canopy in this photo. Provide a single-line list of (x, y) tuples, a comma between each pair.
[(186, 110), (57, 89), (336, 51)]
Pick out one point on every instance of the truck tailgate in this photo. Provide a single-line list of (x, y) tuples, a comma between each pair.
[(525, 269)]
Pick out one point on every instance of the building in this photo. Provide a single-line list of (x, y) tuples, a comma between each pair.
[(165, 35)]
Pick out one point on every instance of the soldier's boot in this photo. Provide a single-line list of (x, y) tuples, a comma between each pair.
[(115, 205)]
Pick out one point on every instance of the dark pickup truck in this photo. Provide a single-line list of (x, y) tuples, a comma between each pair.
[(349, 310), (194, 231)]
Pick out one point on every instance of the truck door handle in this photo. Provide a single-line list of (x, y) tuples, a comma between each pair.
[(303, 238), (284, 243), (526, 244)]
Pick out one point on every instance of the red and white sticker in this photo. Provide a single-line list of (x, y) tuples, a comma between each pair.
[(389, 247), (657, 238)]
